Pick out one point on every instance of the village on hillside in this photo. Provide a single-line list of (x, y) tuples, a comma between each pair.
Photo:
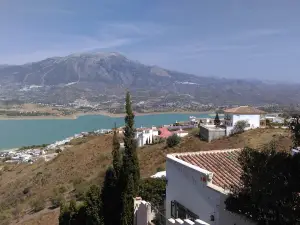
[(205, 176), (206, 128)]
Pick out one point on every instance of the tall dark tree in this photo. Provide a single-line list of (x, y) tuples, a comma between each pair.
[(270, 187), (127, 214), (217, 120), (93, 206), (295, 129), (117, 161), (130, 162), (130, 174), (110, 198)]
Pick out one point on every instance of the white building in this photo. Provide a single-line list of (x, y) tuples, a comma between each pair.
[(181, 133), (252, 115), (145, 135), (197, 186)]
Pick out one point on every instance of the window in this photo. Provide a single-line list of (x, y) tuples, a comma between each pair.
[(179, 211)]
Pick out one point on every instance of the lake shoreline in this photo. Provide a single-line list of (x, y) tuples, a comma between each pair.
[(99, 113)]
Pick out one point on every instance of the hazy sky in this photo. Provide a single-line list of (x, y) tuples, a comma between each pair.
[(227, 38)]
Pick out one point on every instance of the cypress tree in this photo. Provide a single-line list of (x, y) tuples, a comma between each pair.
[(217, 121), (131, 164), (110, 198), (93, 206), (128, 204), (130, 174), (117, 163)]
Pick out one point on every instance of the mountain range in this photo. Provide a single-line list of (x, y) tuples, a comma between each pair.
[(88, 75)]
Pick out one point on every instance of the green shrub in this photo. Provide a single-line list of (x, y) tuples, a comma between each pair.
[(57, 200), (195, 131), (173, 140), (5, 217), (153, 190), (80, 190), (159, 169), (239, 127), (38, 204), (62, 189)]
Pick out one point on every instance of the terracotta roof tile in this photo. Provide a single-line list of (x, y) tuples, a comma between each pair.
[(222, 163), (244, 110)]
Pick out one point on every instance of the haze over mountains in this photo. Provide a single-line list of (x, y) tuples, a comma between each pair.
[(88, 75)]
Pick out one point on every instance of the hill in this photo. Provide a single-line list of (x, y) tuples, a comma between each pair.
[(85, 162), (102, 77)]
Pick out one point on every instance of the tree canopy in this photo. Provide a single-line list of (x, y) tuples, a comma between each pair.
[(130, 174), (239, 127), (295, 129), (270, 187), (217, 120)]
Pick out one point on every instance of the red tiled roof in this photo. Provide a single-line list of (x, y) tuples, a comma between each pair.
[(244, 110), (164, 132), (222, 163)]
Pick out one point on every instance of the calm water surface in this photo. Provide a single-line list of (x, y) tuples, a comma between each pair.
[(17, 133)]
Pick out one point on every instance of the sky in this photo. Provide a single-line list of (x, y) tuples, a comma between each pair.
[(227, 38)]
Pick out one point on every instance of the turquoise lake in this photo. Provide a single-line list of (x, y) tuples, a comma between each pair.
[(17, 133)]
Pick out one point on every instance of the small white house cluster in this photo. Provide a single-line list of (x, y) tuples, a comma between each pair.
[(145, 135), (31, 155), (27, 156)]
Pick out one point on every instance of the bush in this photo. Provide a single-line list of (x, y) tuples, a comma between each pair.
[(62, 189), (153, 190), (26, 190), (38, 204), (159, 169), (80, 190), (195, 131), (57, 200), (239, 127), (173, 140), (5, 217)]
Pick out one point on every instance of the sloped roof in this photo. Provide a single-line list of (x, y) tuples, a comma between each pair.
[(244, 110), (165, 133), (222, 163)]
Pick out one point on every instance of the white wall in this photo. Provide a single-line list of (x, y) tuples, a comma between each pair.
[(143, 136), (184, 186), (179, 134), (253, 120), (143, 213)]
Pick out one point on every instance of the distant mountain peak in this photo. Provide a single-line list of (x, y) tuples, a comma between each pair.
[(96, 72)]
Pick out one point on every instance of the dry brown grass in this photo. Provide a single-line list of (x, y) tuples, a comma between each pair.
[(153, 157), (86, 161)]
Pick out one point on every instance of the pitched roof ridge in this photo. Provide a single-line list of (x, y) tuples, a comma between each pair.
[(206, 152)]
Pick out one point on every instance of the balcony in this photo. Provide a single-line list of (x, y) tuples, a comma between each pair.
[(181, 212)]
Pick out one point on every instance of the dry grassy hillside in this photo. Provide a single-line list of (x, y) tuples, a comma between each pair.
[(86, 161)]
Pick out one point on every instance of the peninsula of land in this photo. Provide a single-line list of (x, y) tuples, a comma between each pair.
[(39, 112)]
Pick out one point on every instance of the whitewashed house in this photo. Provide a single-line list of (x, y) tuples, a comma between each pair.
[(145, 135), (181, 133), (197, 186), (252, 115)]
